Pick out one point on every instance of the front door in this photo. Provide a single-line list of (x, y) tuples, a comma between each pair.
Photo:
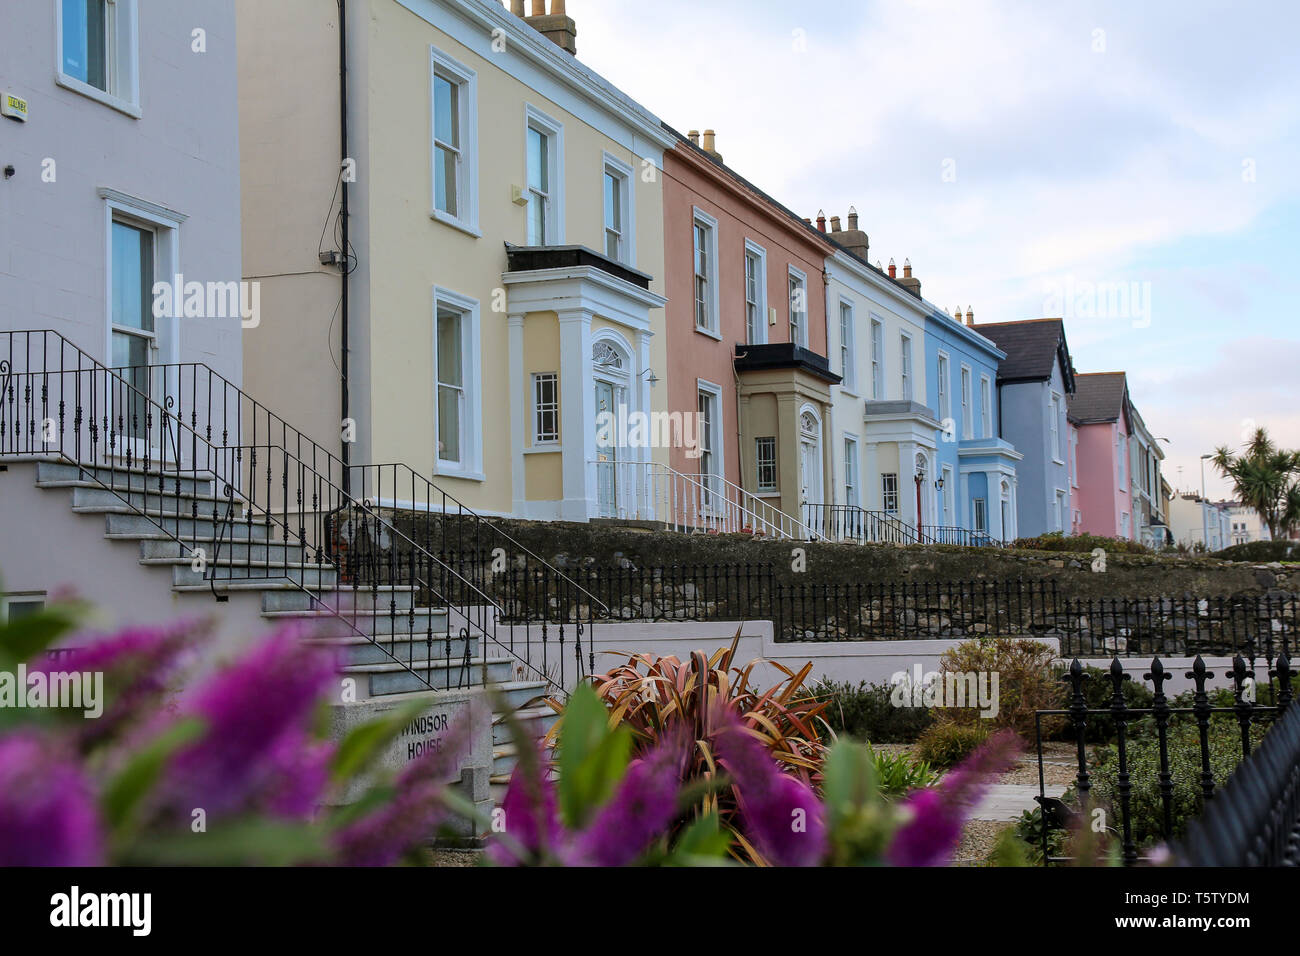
[(606, 450)]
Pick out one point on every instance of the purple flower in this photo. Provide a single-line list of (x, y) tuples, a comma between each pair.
[(532, 822), (411, 816), (781, 814), (937, 815), (639, 812), (253, 713), (138, 665), (48, 815)]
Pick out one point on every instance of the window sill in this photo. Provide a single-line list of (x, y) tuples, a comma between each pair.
[(544, 450), (768, 494), (709, 333), (442, 471), (99, 96), (437, 215)]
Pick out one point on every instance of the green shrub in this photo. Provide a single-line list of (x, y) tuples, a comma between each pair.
[(1086, 543), (947, 743), (1029, 828), (1261, 551), (1146, 806), (865, 712), (897, 774), (1025, 682)]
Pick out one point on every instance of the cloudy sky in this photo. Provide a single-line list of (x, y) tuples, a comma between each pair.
[(1135, 167)]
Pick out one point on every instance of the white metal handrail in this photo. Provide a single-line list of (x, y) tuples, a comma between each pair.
[(647, 491)]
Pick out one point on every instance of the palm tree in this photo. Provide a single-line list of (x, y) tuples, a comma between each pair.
[(1267, 479)]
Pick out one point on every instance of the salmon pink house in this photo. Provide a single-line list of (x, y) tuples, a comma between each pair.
[(1100, 420), (746, 344)]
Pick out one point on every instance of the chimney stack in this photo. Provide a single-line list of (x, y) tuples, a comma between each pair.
[(710, 144), (835, 223), (821, 221), (557, 26), (911, 285), (854, 239)]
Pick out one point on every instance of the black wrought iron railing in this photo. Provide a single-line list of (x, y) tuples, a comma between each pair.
[(251, 498), (1134, 787), (1255, 819)]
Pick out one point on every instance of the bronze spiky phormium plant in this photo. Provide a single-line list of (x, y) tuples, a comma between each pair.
[(659, 697)]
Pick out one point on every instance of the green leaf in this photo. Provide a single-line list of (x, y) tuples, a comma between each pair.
[(703, 843), (365, 742), (22, 639), (243, 842), (849, 779), (126, 791), (592, 758)]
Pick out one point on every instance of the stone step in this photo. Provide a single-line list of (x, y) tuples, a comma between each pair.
[(356, 650), (536, 720), (308, 575), (125, 523), (225, 551), (379, 623), (392, 678), (88, 495), (58, 474), (340, 598)]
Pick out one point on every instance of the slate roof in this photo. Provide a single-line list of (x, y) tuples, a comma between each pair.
[(1098, 397), (1031, 348)]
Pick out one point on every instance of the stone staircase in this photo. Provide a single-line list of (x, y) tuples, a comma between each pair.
[(392, 647)]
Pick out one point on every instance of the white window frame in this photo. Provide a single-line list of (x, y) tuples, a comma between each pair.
[(852, 471), (166, 226), (756, 252), (905, 359), (535, 119), (470, 465), (440, 64), (622, 172), (1074, 459), (848, 346), (22, 597), (542, 438), (123, 59), (1054, 428), (717, 446), (943, 370), (798, 330), (878, 390), (774, 486), (1059, 509), (967, 403), (980, 516), (986, 406), (713, 328), (885, 492)]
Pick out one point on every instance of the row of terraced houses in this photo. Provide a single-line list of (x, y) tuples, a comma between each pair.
[(423, 232)]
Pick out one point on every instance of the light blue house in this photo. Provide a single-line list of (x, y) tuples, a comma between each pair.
[(1034, 382), (975, 468)]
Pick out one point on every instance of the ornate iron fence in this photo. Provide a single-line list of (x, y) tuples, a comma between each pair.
[(1178, 730)]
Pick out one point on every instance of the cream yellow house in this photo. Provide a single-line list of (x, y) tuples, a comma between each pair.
[(501, 276)]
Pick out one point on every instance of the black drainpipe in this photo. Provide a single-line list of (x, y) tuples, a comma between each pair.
[(347, 255)]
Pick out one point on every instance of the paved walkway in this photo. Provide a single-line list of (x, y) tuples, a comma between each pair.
[(1006, 801)]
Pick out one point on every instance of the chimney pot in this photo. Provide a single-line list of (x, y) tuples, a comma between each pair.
[(557, 26), (539, 8), (893, 270), (557, 8), (853, 217), (694, 136), (821, 220), (710, 140), (835, 223), (517, 7), (907, 268), (970, 316)]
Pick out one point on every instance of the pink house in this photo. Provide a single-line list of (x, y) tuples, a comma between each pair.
[(1099, 414)]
